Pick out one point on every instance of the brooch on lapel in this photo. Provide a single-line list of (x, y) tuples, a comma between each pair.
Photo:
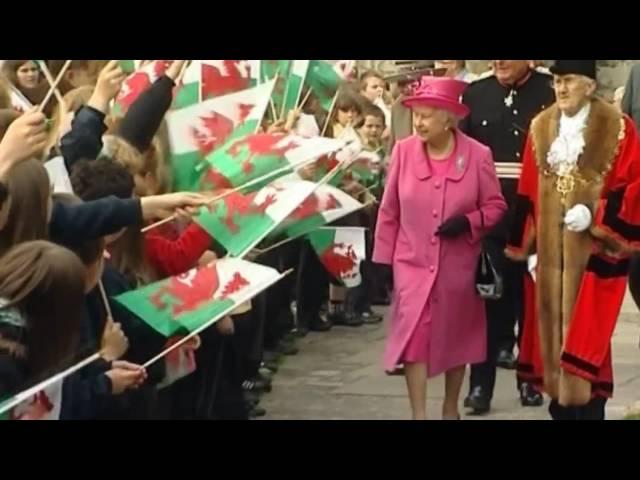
[(460, 163)]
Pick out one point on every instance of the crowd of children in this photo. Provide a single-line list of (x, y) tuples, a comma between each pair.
[(63, 255)]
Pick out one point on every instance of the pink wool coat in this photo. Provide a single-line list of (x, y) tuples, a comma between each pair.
[(434, 278)]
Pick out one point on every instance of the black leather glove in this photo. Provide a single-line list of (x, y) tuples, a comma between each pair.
[(454, 227)]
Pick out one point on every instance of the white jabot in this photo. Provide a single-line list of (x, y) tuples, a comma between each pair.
[(569, 145)]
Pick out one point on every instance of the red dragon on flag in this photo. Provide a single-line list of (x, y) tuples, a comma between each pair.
[(243, 205), (217, 129), (37, 409), (260, 144), (194, 288), (340, 265), (236, 76)]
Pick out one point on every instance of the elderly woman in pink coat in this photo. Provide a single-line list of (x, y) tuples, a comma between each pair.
[(441, 195)]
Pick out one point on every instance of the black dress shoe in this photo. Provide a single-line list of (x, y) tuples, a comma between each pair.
[(530, 397), (506, 360), (256, 412), (345, 320), (270, 365), (371, 317), (287, 348), (478, 402), (320, 324), (300, 331), (271, 356)]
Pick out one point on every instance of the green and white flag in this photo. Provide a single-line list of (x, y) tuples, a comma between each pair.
[(240, 221), (249, 157), (187, 92), (199, 297), (293, 85), (197, 131), (324, 80), (42, 405), (341, 250), (138, 82), (222, 77), (327, 204)]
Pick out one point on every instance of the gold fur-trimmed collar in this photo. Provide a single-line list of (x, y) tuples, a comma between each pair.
[(602, 136)]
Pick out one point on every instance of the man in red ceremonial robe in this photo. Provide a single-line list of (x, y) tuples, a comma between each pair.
[(577, 222)]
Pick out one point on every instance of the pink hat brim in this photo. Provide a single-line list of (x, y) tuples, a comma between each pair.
[(458, 109)]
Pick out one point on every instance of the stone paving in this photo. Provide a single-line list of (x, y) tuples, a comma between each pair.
[(338, 375)]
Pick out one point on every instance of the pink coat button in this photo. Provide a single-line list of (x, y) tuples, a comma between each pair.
[(435, 213), (434, 240), (437, 184), (432, 269)]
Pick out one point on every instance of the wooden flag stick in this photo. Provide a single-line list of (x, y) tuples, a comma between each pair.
[(322, 181), (27, 394), (304, 100), (284, 98), (182, 72), (47, 74), (208, 324), (105, 301), (226, 194), (54, 86), (328, 120)]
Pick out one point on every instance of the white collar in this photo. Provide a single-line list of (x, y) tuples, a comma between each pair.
[(574, 125), (569, 144)]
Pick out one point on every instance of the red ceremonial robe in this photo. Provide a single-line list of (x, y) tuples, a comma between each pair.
[(571, 311)]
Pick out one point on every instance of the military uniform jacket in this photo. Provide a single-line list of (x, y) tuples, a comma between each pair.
[(500, 118)]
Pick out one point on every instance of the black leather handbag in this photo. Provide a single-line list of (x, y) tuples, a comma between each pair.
[(489, 283)]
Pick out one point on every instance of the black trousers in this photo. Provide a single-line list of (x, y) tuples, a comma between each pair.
[(502, 315), (312, 284), (594, 410)]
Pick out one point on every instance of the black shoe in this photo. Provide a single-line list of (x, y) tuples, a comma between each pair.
[(256, 385), (399, 370), (506, 360), (264, 372), (289, 337), (345, 320), (256, 412), (251, 399), (270, 365), (320, 324), (371, 317), (478, 402), (300, 331), (530, 397), (287, 348)]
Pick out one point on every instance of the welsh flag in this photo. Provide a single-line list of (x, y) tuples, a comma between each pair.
[(42, 405), (341, 250), (268, 71), (325, 205), (249, 156), (324, 79), (293, 85), (179, 362), (201, 296), (222, 77), (187, 92), (196, 131), (205, 79), (240, 221), (138, 82)]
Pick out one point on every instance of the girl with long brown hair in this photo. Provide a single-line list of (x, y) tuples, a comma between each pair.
[(41, 298)]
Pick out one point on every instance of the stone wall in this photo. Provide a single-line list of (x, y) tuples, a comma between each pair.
[(611, 73)]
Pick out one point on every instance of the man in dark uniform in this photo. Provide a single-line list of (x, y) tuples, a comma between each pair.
[(502, 106)]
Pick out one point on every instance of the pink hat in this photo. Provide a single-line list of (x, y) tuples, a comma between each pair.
[(439, 92)]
